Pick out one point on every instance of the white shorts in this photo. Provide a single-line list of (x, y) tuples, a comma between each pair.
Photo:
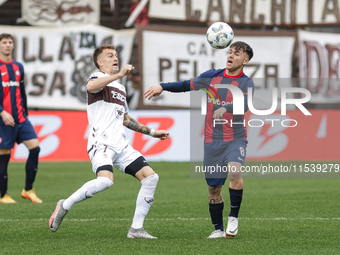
[(105, 155)]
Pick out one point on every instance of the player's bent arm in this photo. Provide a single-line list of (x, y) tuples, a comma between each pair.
[(97, 84), (134, 125)]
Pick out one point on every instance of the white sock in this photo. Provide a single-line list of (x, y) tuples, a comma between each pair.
[(87, 191), (144, 200)]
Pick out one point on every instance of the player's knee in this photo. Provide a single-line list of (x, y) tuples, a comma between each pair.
[(104, 183), (236, 181), (155, 178), (35, 152), (95, 186), (151, 180), (235, 176), (235, 173)]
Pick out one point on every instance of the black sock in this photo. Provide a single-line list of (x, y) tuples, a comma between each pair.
[(216, 214), (235, 201), (31, 168), (4, 159)]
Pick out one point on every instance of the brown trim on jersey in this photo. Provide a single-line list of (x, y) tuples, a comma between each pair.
[(108, 94)]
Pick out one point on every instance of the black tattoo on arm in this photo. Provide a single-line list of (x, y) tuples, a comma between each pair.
[(138, 127)]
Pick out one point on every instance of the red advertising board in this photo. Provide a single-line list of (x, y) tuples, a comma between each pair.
[(298, 137), (63, 136)]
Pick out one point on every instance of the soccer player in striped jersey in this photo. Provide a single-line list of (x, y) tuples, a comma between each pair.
[(14, 125), (224, 144), (108, 146)]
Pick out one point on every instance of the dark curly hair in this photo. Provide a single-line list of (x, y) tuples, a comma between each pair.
[(245, 47)]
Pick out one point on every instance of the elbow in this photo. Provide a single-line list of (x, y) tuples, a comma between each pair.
[(125, 123), (89, 88), (126, 120), (92, 87)]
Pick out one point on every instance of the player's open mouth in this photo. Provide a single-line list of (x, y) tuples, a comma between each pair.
[(230, 62), (115, 65)]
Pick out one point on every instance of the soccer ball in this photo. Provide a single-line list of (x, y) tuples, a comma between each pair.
[(220, 35)]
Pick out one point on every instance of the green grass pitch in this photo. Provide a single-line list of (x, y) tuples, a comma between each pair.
[(277, 216)]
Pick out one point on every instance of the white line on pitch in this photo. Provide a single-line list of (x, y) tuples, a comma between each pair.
[(179, 218)]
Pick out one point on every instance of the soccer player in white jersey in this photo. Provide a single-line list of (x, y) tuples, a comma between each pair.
[(107, 145)]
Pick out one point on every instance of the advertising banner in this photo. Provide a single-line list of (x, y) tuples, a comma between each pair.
[(319, 55), (293, 136), (60, 13), (58, 61), (181, 54), (255, 12), (63, 136)]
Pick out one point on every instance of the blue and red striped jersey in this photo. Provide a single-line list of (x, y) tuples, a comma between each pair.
[(234, 125), (12, 90)]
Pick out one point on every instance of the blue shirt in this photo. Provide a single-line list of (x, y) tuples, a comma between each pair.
[(234, 126)]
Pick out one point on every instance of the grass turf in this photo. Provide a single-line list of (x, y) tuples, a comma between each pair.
[(278, 216)]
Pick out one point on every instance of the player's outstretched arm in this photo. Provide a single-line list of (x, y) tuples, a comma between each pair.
[(153, 91), (134, 125)]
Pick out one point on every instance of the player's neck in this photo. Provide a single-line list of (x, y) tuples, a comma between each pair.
[(5, 58), (106, 71), (234, 72)]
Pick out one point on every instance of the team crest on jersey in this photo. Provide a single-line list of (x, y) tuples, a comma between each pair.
[(17, 73), (119, 114)]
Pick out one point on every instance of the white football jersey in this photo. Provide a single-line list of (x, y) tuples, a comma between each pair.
[(105, 113)]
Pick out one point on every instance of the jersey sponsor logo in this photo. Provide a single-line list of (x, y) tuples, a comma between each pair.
[(117, 95), (211, 100), (10, 84), (108, 94)]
